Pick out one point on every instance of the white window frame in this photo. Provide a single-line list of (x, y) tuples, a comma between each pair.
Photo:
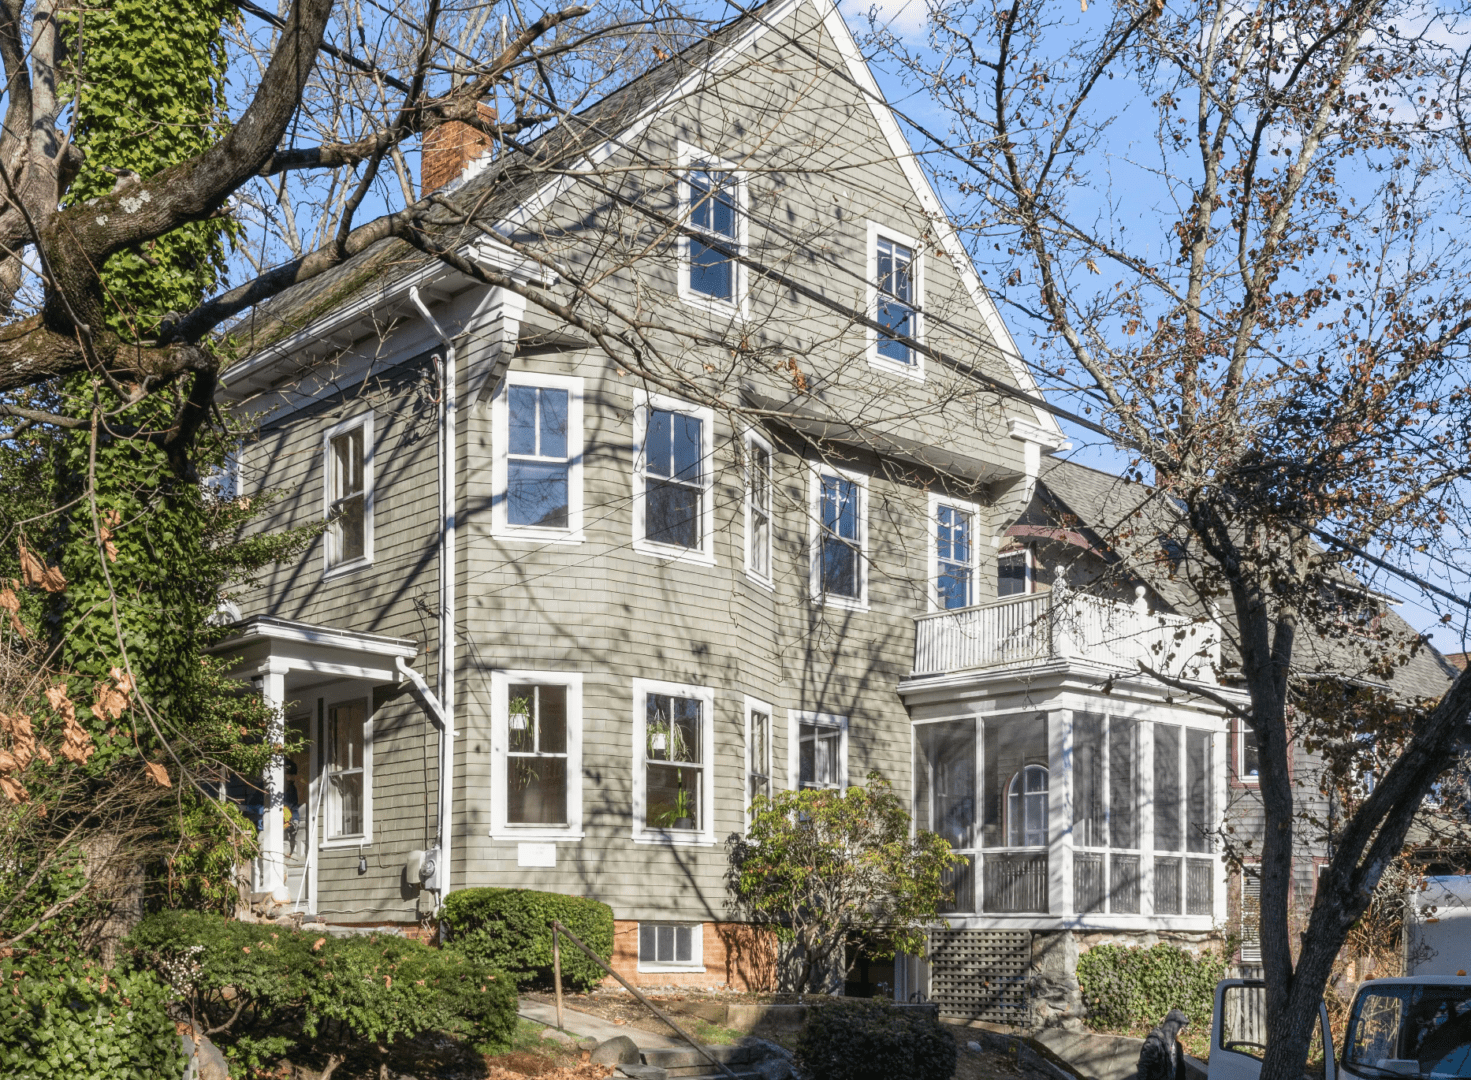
[(329, 568), (1028, 560), (501, 682), (500, 526), (693, 159), (696, 963), (795, 719), (1242, 731), (643, 401), (915, 369), (814, 538), (642, 834), (767, 580), (347, 840), (936, 501), (756, 705)]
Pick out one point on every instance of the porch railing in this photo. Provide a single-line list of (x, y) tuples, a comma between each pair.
[(1062, 624), (1014, 883)]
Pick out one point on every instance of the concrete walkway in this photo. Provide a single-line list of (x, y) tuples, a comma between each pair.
[(1095, 1056), (595, 1027)]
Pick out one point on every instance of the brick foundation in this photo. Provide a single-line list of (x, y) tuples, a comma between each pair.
[(737, 957)]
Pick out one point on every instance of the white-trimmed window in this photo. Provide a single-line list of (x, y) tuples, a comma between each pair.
[(1015, 574), (673, 513), (347, 450), (348, 764), (712, 198), (817, 750), (536, 467), (952, 553), (895, 300), (1250, 913), (758, 509), (536, 745), (673, 783), (666, 946), (1248, 754), (839, 537), (758, 752)]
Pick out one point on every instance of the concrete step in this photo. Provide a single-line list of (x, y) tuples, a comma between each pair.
[(747, 1062)]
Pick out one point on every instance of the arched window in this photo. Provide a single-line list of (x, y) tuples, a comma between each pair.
[(1026, 807)]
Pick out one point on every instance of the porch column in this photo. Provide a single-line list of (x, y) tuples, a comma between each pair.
[(273, 825), (1146, 818), (1060, 812), (1219, 763)]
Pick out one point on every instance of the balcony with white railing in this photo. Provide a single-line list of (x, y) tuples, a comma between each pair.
[(1041, 628)]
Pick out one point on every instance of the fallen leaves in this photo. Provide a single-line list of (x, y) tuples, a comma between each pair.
[(159, 774)]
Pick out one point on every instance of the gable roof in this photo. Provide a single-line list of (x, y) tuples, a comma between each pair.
[(1128, 518), (512, 188)]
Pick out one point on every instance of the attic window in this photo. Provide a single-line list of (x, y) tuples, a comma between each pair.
[(895, 301), (712, 198), (1173, 550)]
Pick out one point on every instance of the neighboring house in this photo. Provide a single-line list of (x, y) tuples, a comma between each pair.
[(567, 653)]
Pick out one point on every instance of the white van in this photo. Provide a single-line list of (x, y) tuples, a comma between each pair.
[(1411, 1027)]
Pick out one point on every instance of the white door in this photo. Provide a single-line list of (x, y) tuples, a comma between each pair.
[(298, 814), (1239, 1032)]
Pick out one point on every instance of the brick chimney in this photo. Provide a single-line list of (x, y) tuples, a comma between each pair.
[(447, 151)]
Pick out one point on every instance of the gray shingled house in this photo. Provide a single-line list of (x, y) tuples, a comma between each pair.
[(571, 612)]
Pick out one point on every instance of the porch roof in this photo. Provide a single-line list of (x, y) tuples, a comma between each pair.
[(309, 652)]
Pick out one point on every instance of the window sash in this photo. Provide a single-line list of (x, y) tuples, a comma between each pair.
[(954, 556), (538, 456), (1013, 574), (819, 755), (759, 503), (758, 764), (674, 478), (713, 222), (666, 943), (536, 773), (347, 502), (674, 762), (841, 546), (345, 768), (896, 311)]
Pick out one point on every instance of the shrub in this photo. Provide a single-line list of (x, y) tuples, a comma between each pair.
[(866, 1040), (277, 988), (61, 1019), (1126, 988), (511, 930)]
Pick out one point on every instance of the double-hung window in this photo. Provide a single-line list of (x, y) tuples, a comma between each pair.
[(673, 515), (536, 744), (673, 730), (712, 198), (818, 755), (952, 560), (895, 287), (758, 752), (758, 509), (839, 538), (1248, 765), (348, 502), (1014, 572), (537, 462), (347, 767)]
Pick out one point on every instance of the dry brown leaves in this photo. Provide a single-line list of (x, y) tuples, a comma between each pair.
[(10, 604), (110, 520), (76, 741), (159, 774), (524, 1065), (34, 572)]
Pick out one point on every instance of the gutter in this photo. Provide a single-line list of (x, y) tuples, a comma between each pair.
[(448, 481)]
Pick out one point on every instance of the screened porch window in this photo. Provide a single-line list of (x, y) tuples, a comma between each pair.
[(945, 799)]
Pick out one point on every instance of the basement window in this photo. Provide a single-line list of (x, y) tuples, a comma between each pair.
[(664, 945)]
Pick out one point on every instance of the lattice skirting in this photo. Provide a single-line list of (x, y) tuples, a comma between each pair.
[(981, 974)]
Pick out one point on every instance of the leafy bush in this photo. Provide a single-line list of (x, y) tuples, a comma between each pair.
[(1127, 988), (511, 930), (866, 1040), (61, 1019), (280, 992)]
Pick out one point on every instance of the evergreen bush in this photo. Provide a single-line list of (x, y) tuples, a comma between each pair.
[(867, 1040), (511, 930), (1129, 988), (70, 1020)]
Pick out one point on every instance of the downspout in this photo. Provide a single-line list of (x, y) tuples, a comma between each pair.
[(446, 681)]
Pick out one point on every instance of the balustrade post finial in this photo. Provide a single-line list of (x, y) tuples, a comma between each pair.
[(1141, 602)]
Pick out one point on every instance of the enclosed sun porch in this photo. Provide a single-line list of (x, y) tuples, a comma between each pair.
[(1083, 791)]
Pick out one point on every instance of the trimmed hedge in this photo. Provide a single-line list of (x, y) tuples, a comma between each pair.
[(867, 1040), (63, 1020), (511, 930), (1128, 988), (376, 988)]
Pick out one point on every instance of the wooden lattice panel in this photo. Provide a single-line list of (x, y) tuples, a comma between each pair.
[(981, 974)]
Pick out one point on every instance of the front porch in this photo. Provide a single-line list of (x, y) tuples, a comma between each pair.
[(323, 680)]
